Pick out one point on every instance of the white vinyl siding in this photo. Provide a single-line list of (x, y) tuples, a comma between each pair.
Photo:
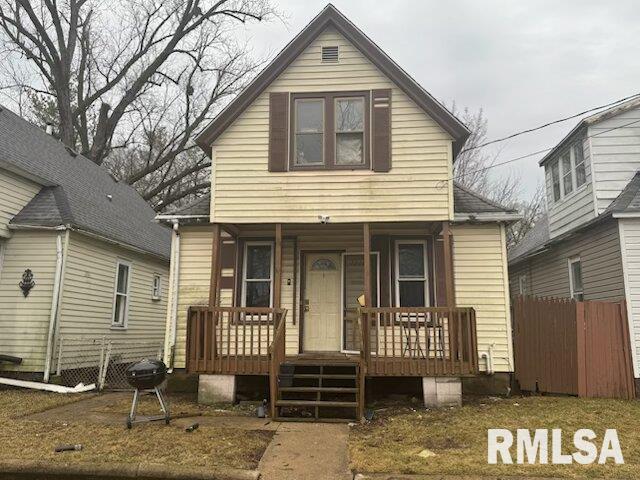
[(15, 193), (416, 188), (87, 301), (24, 321), (616, 154), (629, 229), (568, 209)]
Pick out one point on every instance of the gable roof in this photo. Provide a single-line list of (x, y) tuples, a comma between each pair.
[(628, 202), (331, 16), (590, 120), (75, 190)]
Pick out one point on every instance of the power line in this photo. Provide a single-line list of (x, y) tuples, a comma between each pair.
[(540, 127), (537, 153)]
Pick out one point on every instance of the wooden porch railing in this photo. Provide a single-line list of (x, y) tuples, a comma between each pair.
[(277, 355), (232, 340), (412, 341)]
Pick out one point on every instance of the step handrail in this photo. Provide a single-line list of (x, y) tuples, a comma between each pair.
[(277, 354)]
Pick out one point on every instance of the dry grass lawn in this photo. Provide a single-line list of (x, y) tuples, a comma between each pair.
[(180, 405), (208, 446), (458, 436)]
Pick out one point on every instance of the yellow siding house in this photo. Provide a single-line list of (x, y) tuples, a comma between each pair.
[(335, 247)]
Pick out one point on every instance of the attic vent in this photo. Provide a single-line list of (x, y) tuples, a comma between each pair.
[(330, 54)]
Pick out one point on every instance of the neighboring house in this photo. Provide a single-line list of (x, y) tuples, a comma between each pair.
[(97, 261), (588, 245), (333, 154)]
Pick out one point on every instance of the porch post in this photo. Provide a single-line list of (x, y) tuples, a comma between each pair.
[(277, 286), (214, 283), (366, 250), (448, 265)]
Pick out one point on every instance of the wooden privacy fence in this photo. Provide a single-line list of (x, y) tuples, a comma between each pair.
[(575, 348)]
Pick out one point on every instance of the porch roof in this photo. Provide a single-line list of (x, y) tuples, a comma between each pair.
[(466, 202)]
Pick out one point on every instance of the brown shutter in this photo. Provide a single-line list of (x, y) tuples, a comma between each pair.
[(381, 130), (278, 129), (380, 243), (228, 260), (441, 284)]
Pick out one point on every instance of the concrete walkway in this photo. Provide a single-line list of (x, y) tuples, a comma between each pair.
[(307, 451)]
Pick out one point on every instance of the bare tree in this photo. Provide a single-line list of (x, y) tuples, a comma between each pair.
[(138, 78), (474, 169)]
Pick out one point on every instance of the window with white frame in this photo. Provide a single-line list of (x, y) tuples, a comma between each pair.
[(411, 280), (157, 287), (578, 161), (121, 294), (568, 173), (575, 279), (257, 274), (522, 284)]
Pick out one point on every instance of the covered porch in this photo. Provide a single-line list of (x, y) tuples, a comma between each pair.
[(287, 292)]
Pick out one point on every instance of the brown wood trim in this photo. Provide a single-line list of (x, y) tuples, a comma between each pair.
[(278, 125), (277, 268), (448, 264), (330, 16), (215, 267), (366, 262), (295, 280), (328, 150)]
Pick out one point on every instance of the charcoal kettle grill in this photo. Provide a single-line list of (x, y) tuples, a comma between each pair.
[(146, 377)]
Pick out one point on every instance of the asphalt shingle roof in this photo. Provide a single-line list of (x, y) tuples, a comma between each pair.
[(629, 199), (537, 237), (465, 201), (78, 192)]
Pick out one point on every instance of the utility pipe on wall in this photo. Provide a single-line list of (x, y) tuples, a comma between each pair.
[(55, 301), (172, 311)]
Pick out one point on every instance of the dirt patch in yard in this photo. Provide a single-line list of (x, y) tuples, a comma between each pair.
[(457, 437), (209, 446)]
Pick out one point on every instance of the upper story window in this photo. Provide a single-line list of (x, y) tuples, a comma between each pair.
[(329, 131), (568, 173)]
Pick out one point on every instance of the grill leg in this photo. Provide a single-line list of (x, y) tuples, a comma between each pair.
[(163, 405), (134, 407)]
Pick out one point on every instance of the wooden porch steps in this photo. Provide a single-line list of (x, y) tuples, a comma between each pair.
[(321, 389)]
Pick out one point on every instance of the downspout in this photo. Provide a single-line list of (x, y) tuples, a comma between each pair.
[(55, 302), (172, 310)]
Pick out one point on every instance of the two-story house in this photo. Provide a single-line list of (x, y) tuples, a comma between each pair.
[(588, 245), (335, 246)]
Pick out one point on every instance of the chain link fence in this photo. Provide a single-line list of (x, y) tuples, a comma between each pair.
[(100, 360)]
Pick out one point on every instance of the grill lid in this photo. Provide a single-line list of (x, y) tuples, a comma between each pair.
[(147, 373)]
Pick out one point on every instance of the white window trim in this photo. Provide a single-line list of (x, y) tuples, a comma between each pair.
[(561, 172), (125, 321), (243, 298), (570, 262), (522, 279), (396, 273), (157, 296)]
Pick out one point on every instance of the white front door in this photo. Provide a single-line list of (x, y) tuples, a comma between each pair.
[(322, 303)]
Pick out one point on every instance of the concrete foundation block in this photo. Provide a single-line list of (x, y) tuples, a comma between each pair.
[(442, 391), (214, 389)]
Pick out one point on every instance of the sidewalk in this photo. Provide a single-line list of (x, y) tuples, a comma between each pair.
[(307, 451)]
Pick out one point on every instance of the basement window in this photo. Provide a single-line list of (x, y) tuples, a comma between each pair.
[(330, 54)]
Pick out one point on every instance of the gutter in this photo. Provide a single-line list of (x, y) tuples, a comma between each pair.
[(55, 301), (172, 308)]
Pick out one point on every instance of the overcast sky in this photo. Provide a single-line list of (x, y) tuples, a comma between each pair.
[(524, 63)]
